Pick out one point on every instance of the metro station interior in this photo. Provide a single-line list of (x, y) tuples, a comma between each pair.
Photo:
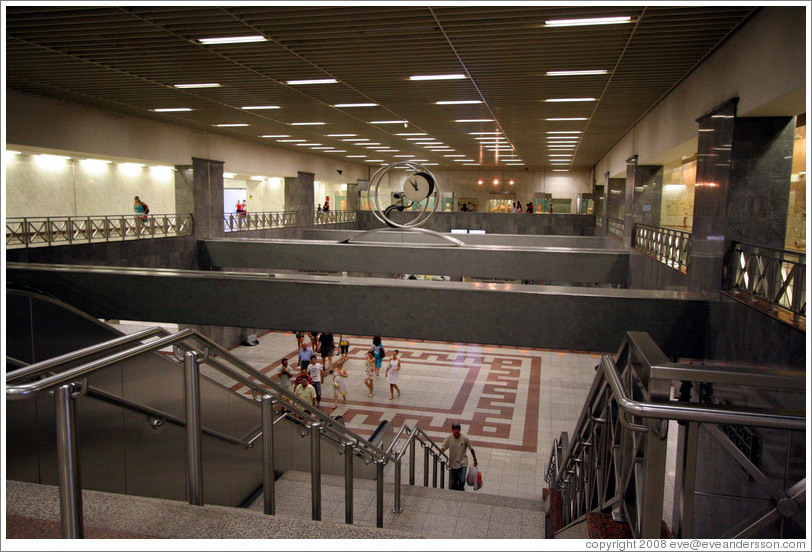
[(583, 227)]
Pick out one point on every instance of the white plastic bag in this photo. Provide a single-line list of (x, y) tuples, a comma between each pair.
[(474, 478)]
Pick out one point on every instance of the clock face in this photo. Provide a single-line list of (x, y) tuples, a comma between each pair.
[(418, 187)]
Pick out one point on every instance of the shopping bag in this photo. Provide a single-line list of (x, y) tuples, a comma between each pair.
[(478, 483), (471, 476)]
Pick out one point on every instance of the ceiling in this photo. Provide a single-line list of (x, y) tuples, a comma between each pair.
[(128, 59)]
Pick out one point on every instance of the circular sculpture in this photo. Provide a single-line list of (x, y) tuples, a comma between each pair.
[(415, 194)]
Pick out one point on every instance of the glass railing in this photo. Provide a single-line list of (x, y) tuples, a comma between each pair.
[(46, 231)]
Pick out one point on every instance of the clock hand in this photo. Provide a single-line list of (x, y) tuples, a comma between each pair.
[(414, 184)]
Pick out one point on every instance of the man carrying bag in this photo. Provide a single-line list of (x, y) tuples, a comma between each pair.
[(458, 446)]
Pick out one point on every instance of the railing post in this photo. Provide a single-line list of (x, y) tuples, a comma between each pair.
[(434, 470), (685, 480), (315, 469), (798, 291), (412, 454), (442, 474), (397, 509), (425, 466), (379, 464), (70, 485), (194, 460), (654, 468), (268, 476), (349, 452)]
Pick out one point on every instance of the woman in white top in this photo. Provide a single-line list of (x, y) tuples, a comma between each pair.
[(340, 383), (393, 375), (369, 373)]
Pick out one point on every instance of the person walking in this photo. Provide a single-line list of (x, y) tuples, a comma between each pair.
[(285, 374), (378, 352), (314, 370), (340, 383), (393, 375), (369, 373), (458, 446), (306, 354), (326, 350), (344, 346), (141, 210), (305, 390)]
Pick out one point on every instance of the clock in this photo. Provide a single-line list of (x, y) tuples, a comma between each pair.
[(418, 186)]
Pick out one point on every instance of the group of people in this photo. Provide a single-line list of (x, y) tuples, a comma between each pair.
[(241, 208), (326, 207), (517, 208)]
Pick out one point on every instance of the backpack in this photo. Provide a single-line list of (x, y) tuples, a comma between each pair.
[(146, 209)]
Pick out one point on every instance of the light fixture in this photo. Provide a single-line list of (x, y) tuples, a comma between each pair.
[(495, 181), (454, 155), (171, 109), (587, 21), (309, 144), (233, 39), (312, 123), (515, 164), (459, 102), (258, 178), (340, 135), (373, 160), (355, 140), (356, 105), (404, 155), (338, 151), (201, 85), (512, 182), (356, 156), (232, 125), (249, 107), (387, 122), (95, 165), (561, 170), (51, 161), (438, 77), (275, 136), (497, 138), (480, 182), (322, 148), (566, 119), (473, 120), (570, 100), (161, 171), (411, 134), (565, 132), (576, 73), (312, 81), (229, 175), (476, 133), (292, 140), (560, 155)]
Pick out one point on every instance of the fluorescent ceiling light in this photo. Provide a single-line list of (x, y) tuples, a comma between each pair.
[(459, 102), (471, 164), (387, 150), (548, 100), (314, 123), (418, 160), (403, 155), (473, 121), (566, 119), (309, 144), (233, 39), (431, 164), (356, 140), (92, 161), (373, 160), (338, 151), (496, 138), (454, 155), (340, 135), (560, 155), (561, 170), (587, 21), (356, 156), (411, 134), (438, 77), (291, 140), (477, 133), (323, 147), (356, 105), (202, 85), (229, 175), (232, 125), (171, 109), (439, 148), (275, 136), (387, 122), (576, 73), (312, 81), (258, 178), (261, 107), (565, 132), (462, 160)]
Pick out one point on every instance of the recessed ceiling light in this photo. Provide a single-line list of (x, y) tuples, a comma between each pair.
[(387, 122), (275, 136), (459, 102), (471, 164), (355, 140), (420, 160), (202, 85), (356, 156), (405, 155), (587, 21), (261, 107), (565, 132), (171, 109), (570, 100), (229, 175), (338, 151), (427, 164), (295, 140), (356, 105), (566, 119), (561, 170), (576, 73), (232, 125), (373, 160), (490, 138), (309, 144), (478, 133), (233, 39), (454, 155), (438, 77), (386, 150), (439, 148), (560, 155), (323, 147), (312, 81), (517, 164), (308, 124), (411, 134), (340, 135), (473, 120)]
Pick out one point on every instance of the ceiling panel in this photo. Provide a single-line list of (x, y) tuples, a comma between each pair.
[(129, 59)]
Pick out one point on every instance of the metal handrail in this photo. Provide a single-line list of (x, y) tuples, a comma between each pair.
[(670, 246), (614, 227), (334, 217), (260, 220)]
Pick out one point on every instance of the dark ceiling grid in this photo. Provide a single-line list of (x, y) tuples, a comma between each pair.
[(127, 59)]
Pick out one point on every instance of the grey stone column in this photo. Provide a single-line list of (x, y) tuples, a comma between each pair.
[(628, 204), (299, 197), (208, 198), (184, 190), (648, 194), (602, 191), (353, 196)]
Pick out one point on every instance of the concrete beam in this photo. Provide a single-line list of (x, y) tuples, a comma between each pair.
[(500, 314), (551, 264)]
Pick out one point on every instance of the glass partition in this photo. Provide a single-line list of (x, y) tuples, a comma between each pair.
[(796, 214)]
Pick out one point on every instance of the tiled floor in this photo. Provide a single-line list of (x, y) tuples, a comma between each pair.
[(510, 402)]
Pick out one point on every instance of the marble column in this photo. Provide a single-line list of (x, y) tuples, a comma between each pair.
[(628, 204), (208, 197), (299, 197), (353, 196), (648, 194)]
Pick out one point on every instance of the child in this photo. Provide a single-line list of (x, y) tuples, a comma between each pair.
[(340, 383)]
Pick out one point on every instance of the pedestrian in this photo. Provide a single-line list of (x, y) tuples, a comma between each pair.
[(314, 370), (306, 354), (285, 374), (314, 340), (141, 210), (305, 390), (378, 353), (340, 383), (344, 346), (326, 350), (529, 207), (369, 372), (456, 444), (326, 207), (299, 339), (393, 375)]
